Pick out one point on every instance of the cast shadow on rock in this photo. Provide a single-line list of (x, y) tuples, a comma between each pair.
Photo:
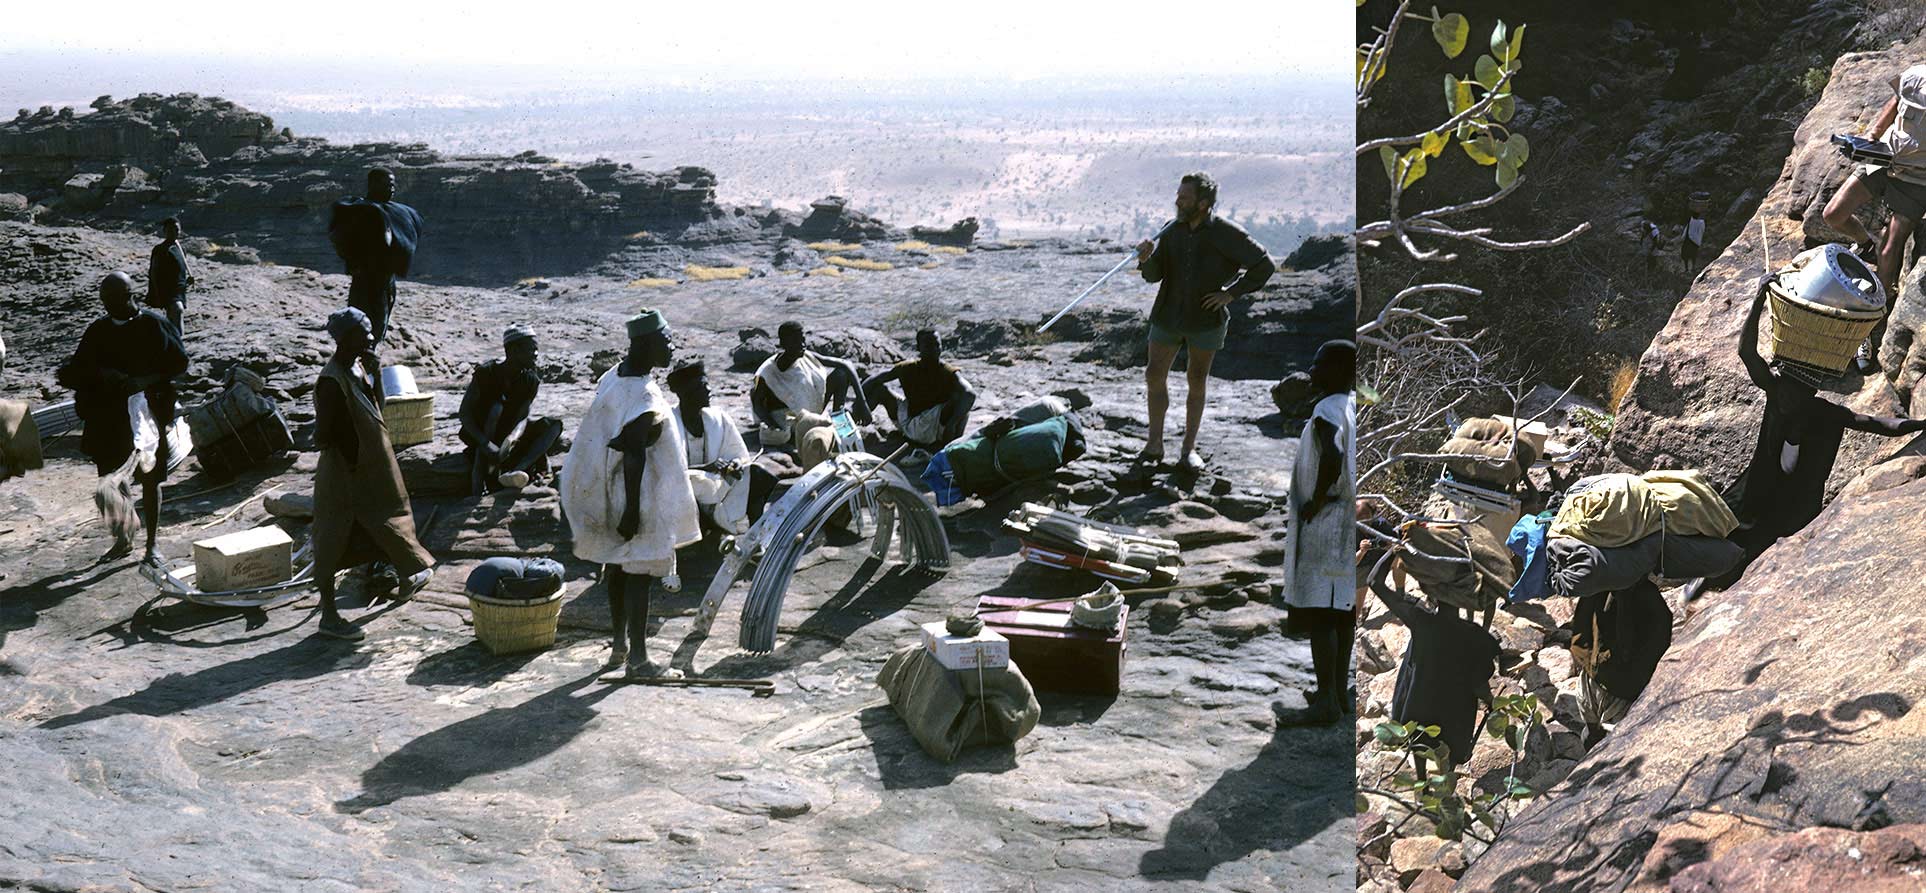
[(470, 665), (856, 605), (1300, 783), (496, 740), (173, 623), (903, 765), (175, 693)]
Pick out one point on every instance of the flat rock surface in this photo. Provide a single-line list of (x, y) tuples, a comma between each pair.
[(158, 745)]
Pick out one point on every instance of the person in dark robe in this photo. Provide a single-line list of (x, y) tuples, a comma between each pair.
[(1618, 639), (167, 276), (376, 237), (798, 387), (361, 508), (127, 352), (935, 408), (1195, 263), (1446, 669), (1783, 487), (498, 398)]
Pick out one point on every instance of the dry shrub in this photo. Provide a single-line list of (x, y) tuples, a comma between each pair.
[(857, 263), (825, 271), (649, 282), (835, 246), (701, 273), (912, 245), (1622, 378), (948, 249)]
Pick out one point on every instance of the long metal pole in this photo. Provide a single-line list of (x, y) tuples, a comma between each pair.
[(1093, 286)]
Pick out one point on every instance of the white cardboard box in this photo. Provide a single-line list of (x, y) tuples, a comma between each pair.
[(259, 557), (987, 648)]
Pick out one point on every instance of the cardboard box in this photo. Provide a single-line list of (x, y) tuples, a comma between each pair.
[(263, 556), (987, 648)]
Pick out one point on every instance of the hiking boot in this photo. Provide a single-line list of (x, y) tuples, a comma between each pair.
[(513, 480), (339, 628), (1864, 362)]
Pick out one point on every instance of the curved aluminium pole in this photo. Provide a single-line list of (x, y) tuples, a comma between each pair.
[(1100, 280)]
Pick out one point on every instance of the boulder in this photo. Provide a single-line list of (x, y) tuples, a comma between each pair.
[(1888, 859), (1293, 396), (959, 234)]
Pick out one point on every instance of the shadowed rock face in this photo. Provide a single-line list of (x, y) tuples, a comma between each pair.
[(1790, 700)]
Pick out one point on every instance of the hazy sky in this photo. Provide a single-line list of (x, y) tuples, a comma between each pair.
[(723, 40)]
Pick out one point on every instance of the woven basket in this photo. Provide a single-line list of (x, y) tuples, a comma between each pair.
[(410, 419), (1815, 335), (508, 627)]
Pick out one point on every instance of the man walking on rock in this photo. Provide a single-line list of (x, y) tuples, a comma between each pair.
[(1195, 262), (376, 237), (167, 277)]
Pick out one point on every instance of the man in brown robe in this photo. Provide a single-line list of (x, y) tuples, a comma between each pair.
[(361, 510)]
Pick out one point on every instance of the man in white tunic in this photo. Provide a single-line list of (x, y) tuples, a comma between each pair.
[(719, 461), (797, 389), (625, 489), (1321, 571)]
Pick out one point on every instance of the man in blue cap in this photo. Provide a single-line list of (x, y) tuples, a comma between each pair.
[(625, 489)]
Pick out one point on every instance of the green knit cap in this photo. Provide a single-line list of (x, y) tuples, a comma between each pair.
[(648, 321)]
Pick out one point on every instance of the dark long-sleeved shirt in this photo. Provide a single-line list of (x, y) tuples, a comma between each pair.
[(166, 275), (140, 347), (1188, 264), (1446, 671)]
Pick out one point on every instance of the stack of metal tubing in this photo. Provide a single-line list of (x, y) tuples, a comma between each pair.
[(1059, 539), (777, 540)]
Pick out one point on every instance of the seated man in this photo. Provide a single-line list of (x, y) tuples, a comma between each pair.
[(730, 488), (935, 408), (497, 400), (797, 387)]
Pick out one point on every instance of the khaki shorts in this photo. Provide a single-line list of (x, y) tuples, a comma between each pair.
[(1209, 339), (1904, 198)]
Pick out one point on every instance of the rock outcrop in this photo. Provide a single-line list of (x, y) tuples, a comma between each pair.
[(234, 178)]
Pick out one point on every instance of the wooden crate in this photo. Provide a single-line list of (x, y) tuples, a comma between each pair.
[(1053, 653), (410, 418), (259, 557)]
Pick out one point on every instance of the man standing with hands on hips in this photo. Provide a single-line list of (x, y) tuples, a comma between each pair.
[(1194, 261)]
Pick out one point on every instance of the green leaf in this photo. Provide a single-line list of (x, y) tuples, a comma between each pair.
[(1515, 735), (1517, 47), (1487, 73), (1432, 731), (1461, 98), (1518, 150), (1520, 789), (1362, 805), (1390, 158), (1482, 149), (1451, 31), (1503, 108), (1388, 733), (1413, 165), (1498, 44), (1434, 143), (1506, 174), (1496, 723)]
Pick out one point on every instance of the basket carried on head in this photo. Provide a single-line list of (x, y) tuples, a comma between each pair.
[(1824, 305), (508, 626)]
